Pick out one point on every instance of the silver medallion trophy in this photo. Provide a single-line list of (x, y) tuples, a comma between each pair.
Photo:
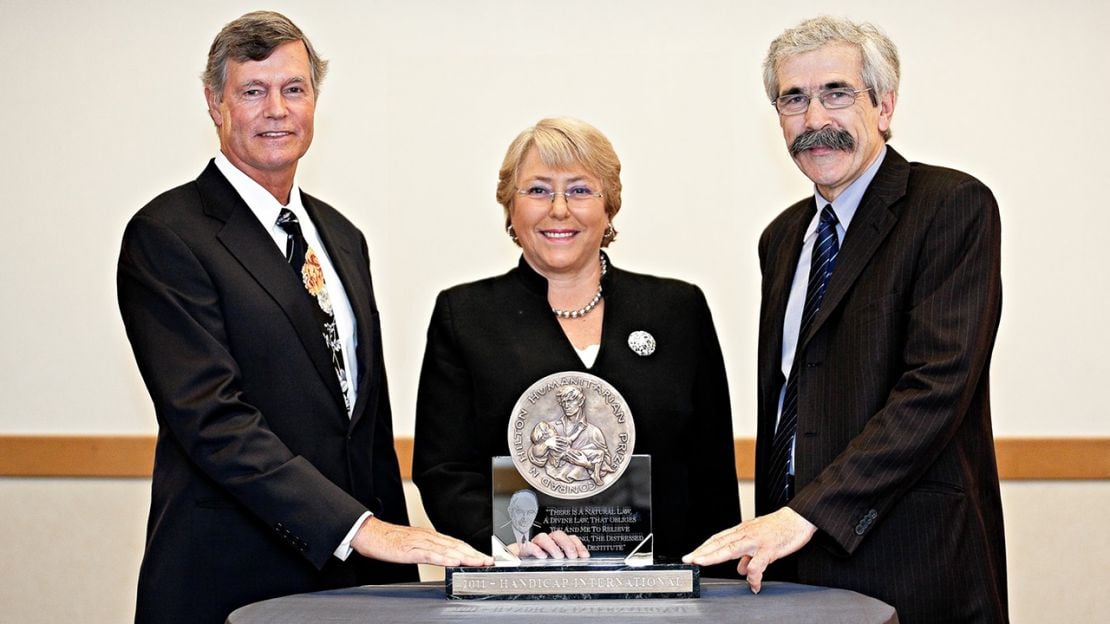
[(572, 469)]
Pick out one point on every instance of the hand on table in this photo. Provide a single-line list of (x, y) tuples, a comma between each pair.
[(378, 539), (757, 543), (556, 545)]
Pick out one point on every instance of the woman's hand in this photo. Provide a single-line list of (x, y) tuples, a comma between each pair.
[(554, 545)]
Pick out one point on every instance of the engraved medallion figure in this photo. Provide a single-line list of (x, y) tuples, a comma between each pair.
[(570, 448), (571, 435)]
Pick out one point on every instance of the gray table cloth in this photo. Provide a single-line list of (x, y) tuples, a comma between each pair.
[(721, 601)]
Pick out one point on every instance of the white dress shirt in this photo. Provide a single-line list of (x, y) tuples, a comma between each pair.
[(588, 354), (267, 208)]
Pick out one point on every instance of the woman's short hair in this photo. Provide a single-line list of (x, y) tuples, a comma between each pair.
[(564, 142)]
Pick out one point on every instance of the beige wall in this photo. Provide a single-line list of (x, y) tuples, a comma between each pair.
[(103, 110), (72, 549)]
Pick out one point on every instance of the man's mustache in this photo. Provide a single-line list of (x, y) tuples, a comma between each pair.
[(832, 138)]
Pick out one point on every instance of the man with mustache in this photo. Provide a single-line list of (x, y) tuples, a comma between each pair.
[(875, 467)]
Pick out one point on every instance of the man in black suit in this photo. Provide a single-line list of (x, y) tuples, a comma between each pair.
[(875, 467), (274, 471)]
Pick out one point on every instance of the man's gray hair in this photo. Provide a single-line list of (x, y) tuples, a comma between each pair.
[(253, 37), (879, 68)]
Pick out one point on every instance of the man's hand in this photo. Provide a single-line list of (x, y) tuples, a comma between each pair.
[(378, 539), (757, 543), (557, 545)]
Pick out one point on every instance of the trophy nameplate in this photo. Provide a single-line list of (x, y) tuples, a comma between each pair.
[(571, 438)]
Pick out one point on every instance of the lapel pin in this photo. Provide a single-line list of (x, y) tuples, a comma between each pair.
[(641, 343)]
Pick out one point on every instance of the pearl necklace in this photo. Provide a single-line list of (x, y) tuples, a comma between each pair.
[(584, 310)]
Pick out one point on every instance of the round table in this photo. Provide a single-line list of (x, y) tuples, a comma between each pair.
[(721, 601)]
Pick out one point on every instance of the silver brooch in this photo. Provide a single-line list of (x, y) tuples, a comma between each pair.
[(641, 343)]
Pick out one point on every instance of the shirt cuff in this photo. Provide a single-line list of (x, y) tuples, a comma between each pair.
[(344, 550)]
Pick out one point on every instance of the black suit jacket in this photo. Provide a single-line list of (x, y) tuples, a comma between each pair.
[(259, 473), (490, 340), (894, 454)]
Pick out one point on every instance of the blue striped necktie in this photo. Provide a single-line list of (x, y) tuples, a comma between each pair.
[(820, 270)]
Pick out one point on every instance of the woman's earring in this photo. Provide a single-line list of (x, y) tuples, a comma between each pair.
[(610, 233)]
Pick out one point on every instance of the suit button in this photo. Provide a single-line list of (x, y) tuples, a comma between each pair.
[(866, 521)]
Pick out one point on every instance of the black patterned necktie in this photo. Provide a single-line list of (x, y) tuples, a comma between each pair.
[(306, 265), (821, 266)]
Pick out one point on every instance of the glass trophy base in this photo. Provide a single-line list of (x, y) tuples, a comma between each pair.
[(635, 576), (572, 470), (579, 579), (613, 523)]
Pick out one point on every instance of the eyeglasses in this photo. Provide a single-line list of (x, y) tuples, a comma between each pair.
[(578, 194), (831, 99)]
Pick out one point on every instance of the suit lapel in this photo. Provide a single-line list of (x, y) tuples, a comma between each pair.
[(871, 224), (251, 245), (343, 250), (779, 261), (782, 261)]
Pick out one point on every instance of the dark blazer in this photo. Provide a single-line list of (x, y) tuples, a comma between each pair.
[(258, 472), (894, 455), (490, 340)]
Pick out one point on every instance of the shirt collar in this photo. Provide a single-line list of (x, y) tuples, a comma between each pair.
[(258, 199), (848, 201), (537, 283)]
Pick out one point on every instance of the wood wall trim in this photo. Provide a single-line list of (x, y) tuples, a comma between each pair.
[(76, 456), (1019, 459)]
